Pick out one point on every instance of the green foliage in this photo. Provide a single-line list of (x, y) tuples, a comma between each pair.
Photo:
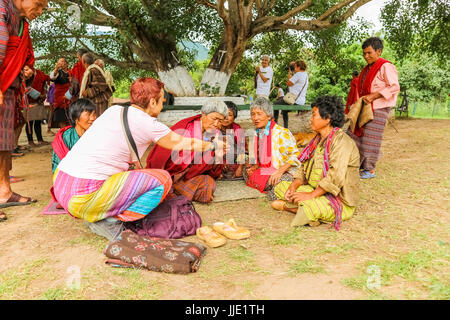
[(417, 26), (425, 78)]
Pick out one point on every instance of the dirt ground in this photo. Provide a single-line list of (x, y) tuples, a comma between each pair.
[(394, 247)]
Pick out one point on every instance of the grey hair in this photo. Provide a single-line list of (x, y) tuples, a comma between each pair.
[(215, 105), (264, 104), (265, 56), (88, 58)]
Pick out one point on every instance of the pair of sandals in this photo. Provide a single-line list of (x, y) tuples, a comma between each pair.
[(13, 201), (216, 236)]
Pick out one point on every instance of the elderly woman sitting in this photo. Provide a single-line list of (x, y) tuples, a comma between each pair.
[(326, 185), (193, 173), (274, 150)]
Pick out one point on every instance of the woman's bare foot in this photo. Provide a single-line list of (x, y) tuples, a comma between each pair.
[(50, 132)]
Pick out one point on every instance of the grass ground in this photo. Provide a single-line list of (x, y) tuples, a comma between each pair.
[(396, 246)]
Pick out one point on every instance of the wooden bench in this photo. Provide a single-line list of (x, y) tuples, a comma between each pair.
[(294, 107)]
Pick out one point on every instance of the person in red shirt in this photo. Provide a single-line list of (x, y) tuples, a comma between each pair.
[(79, 68)]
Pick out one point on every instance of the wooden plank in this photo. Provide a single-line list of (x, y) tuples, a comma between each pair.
[(242, 107)]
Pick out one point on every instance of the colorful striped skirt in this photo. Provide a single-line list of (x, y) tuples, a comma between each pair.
[(126, 196), (369, 144)]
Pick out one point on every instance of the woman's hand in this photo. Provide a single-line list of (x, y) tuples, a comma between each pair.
[(275, 177), (289, 192), (297, 197)]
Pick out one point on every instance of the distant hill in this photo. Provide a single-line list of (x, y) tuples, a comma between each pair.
[(202, 51)]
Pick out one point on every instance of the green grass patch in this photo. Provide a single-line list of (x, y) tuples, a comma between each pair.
[(13, 283), (292, 237), (241, 254), (137, 286), (417, 267), (57, 294), (305, 266), (90, 240)]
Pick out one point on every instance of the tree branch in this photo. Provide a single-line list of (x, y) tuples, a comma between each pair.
[(208, 4), (98, 18), (334, 8)]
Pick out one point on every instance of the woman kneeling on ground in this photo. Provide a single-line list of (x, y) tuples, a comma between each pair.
[(93, 181), (326, 185), (81, 116), (274, 150)]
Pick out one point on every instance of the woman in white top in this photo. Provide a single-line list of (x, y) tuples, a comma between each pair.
[(93, 182), (298, 85)]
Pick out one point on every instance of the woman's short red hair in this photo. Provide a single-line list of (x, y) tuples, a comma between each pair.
[(144, 89)]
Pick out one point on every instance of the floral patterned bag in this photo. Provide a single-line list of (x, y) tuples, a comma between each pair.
[(154, 254)]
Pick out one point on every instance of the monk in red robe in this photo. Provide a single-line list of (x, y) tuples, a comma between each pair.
[(194, 173), (16, 51)]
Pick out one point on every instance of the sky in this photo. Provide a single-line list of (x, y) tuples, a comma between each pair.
[(371, 11)]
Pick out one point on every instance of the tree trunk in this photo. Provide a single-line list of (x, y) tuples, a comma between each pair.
[(179, 81), (161, 52), (222, 65)]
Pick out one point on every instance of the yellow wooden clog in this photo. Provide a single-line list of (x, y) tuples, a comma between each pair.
[(230, 230), (210, 237)]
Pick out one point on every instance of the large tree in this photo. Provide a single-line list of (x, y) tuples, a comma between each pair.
[(140, 34), (145, 34), (245, 19)]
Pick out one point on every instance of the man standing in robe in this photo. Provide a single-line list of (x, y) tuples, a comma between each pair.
[(109, 78), (94, 86), (378, 86), (16, 51)]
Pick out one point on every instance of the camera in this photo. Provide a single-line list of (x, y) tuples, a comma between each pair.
[(290, 67)]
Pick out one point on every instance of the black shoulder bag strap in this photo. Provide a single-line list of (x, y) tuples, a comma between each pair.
[(136, 162)]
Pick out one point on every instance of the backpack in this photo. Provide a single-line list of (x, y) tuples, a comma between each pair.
[(172, 219)]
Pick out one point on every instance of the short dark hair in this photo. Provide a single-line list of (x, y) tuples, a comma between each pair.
[(375, 42), (78, 107), (88, 58), (233, 107), (331, 107), (301, 64), (82, 51)]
